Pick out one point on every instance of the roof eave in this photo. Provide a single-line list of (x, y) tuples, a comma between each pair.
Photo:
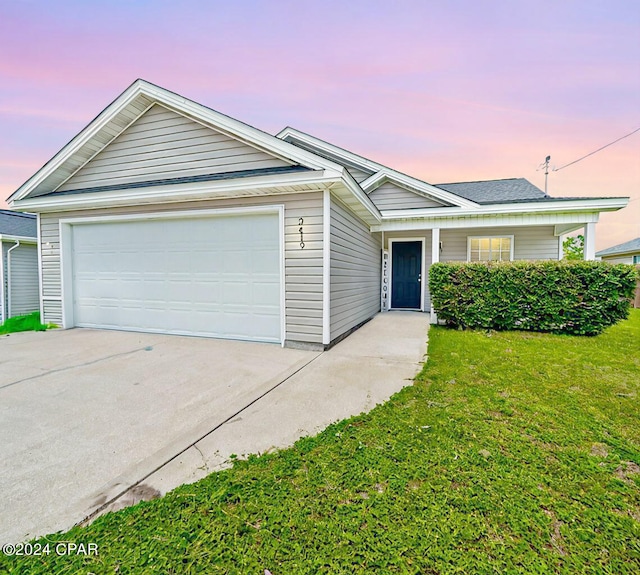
[(242, 187), (600, 205)]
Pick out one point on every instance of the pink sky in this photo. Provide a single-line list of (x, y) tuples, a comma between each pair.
[(445, 91)]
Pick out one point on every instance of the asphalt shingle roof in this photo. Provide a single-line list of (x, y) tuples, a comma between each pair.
[(18, 224), (630, 246), (496, 191)]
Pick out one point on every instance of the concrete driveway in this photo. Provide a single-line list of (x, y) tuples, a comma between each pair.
[(93, 420)]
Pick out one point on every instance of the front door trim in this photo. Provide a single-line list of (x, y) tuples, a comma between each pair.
[(422, 265)]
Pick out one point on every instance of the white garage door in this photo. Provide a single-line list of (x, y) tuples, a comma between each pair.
[(215, 276)]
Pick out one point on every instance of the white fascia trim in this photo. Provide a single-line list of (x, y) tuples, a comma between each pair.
[(178, 103), (21, 239), (602, 205), (173, 215), (359, 161), (379, 170), (78, 141), (361, 196), (174, 192), (374, 181)]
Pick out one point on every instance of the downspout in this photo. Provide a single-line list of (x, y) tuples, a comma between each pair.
[(8, 314)]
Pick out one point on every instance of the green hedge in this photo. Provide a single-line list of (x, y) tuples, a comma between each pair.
[(553, 296)]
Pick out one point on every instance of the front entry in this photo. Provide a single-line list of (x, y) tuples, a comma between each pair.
[(406, 274)]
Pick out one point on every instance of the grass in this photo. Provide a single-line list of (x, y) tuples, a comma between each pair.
[(30, 322), (513, 452)]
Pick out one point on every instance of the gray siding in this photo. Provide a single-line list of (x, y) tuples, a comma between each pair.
[(358, 174), (618, 259), (164, 144), (390, 196), (530, 243), (355, 270), (22, 265), (303, 267)]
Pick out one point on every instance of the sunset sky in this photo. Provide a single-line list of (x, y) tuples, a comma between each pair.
[(445, 91)]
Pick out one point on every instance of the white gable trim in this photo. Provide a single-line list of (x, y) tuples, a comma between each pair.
[(414, 185), (381, 173), (289, 134), (181, 105)]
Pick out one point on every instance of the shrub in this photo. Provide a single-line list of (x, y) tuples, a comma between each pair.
[(30, 322), (553, 296)]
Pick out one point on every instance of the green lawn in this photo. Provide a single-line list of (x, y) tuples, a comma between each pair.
[(512, 453), (30, 322)]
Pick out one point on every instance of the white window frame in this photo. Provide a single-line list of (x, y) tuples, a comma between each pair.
[(491, 237)]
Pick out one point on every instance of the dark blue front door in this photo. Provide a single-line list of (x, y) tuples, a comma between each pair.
[(406, 274)]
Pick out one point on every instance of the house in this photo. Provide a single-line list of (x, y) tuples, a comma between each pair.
[(19, 266), (163, 215), (626, 253)]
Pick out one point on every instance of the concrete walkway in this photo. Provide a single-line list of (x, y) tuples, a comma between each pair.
[(93, 421), (361, 371)]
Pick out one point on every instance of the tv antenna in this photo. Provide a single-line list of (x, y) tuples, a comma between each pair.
[(545, 165)]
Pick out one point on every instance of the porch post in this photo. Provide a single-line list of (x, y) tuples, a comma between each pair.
[(590, 241), (435, 257)]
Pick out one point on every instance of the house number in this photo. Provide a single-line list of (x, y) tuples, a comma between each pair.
[(301, 223)]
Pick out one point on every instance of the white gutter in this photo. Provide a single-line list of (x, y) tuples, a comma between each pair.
[(176, 192), (599, 205), (17, 244)]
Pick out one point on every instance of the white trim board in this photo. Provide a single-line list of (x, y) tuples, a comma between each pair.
[(423, 271)]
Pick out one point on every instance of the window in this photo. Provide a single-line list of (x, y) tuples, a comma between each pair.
[(484, 249), (636, 259)]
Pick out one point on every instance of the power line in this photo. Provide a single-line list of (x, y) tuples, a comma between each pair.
[(596, 151)]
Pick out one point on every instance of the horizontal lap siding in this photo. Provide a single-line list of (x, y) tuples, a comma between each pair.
[(355, 270), (392, 197), (618, 259), (164, 144), (530, 243), (303, 267), (24, 280), (358, 175)]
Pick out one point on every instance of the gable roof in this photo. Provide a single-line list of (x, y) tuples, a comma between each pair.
[(626, 247), (18, 224), (379, 173), (130, 106)]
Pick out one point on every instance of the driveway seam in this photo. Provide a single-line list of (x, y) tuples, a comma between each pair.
[(96, 512), (74, 366)]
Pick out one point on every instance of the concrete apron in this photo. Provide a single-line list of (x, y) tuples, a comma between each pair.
[(301, 396), (360, 372)]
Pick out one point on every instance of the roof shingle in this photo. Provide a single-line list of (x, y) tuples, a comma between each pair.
[(18, 224)]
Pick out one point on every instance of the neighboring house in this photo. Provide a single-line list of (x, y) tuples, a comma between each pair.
[(626, 253), (19, 269), (163, 215)]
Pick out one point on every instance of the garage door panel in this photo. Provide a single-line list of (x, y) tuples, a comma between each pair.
[(215, 276)]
